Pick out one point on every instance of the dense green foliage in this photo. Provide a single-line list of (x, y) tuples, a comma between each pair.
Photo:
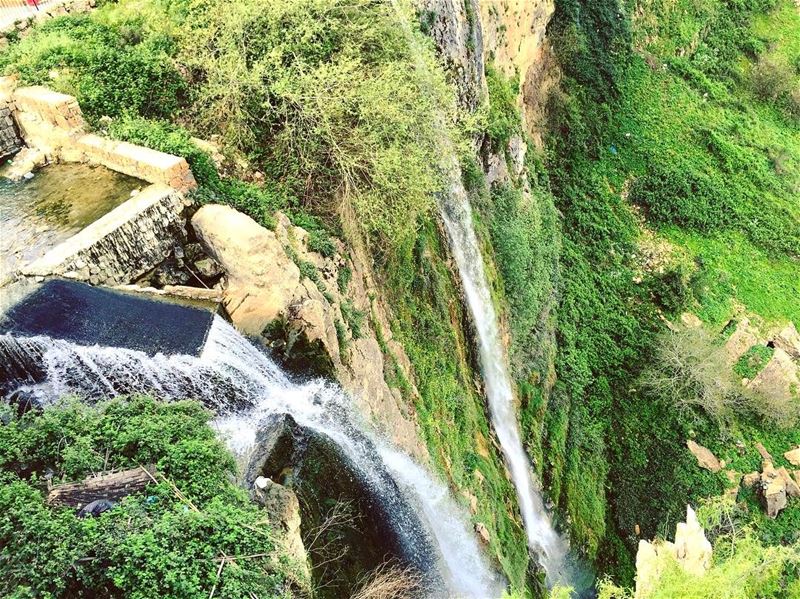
[(657, 112), (343, 108), (151, 544), (334, 99), (753, 361), (110, 68)]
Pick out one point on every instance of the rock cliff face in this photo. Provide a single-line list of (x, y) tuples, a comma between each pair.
[(456, 30), (509, 35), (311, 313)]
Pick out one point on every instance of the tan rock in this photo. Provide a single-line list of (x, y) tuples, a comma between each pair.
[(261, 278), (283, 509), (690, 321), (705, 458), (742, 339), (792, 488), (773, 496), (778, 380), (764, 453), (789, 341), (691, 549), (749, 480), (483, 532), (733, 477), (793, 456)]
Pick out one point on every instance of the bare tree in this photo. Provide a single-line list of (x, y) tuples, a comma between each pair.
[(691, 370), (390, 582)]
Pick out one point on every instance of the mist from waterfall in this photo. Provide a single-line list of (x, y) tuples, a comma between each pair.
[(245, 387)]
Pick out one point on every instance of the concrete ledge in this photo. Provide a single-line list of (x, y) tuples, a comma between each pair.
[(53, 123)]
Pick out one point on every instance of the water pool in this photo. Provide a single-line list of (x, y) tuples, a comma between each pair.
[(60, 200)]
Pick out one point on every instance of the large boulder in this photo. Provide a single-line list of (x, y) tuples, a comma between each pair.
[(261, 278), (772, 490), (743, 338), (303, 319), (793, 456), (778, 379)]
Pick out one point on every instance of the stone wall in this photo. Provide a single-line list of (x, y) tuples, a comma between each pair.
[(122, 245), (10, 143), (52, 123)]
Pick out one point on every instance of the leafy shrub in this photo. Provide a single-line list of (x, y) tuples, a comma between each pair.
[(753, 361), (353, 317), (151, 544), (108, 72), (677, 195), (170, 138), (335, 100), (504, 116)]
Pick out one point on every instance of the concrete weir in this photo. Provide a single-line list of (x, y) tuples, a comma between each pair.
[(129, 240), (88, 315)]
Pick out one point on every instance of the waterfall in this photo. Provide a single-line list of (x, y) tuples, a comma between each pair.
[(552, 550), (244, 387)]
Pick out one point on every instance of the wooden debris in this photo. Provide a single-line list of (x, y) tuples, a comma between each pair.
[(106, 485)]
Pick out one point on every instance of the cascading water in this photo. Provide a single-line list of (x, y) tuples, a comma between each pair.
[(551, 549), (244, 386)]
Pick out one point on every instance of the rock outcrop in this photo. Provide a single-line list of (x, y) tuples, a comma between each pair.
[(358, 515), (742, 339), (778, 381), (454, 27), (793, 456), (691, 550), (283, 509), (305, 321), (788, 340), (705, 458)]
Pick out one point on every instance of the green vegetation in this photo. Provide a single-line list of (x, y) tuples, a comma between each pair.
[(753, 361), (151, 544), (675, 125), (656, 131), (503, 119), (428, 321)]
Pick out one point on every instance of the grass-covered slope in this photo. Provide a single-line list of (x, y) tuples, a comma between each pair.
[(675, 128)]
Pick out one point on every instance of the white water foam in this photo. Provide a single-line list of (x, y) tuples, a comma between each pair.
[(232, 372)]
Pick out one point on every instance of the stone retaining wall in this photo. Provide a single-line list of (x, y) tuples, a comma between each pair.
[(10, 143), (122, 245)]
